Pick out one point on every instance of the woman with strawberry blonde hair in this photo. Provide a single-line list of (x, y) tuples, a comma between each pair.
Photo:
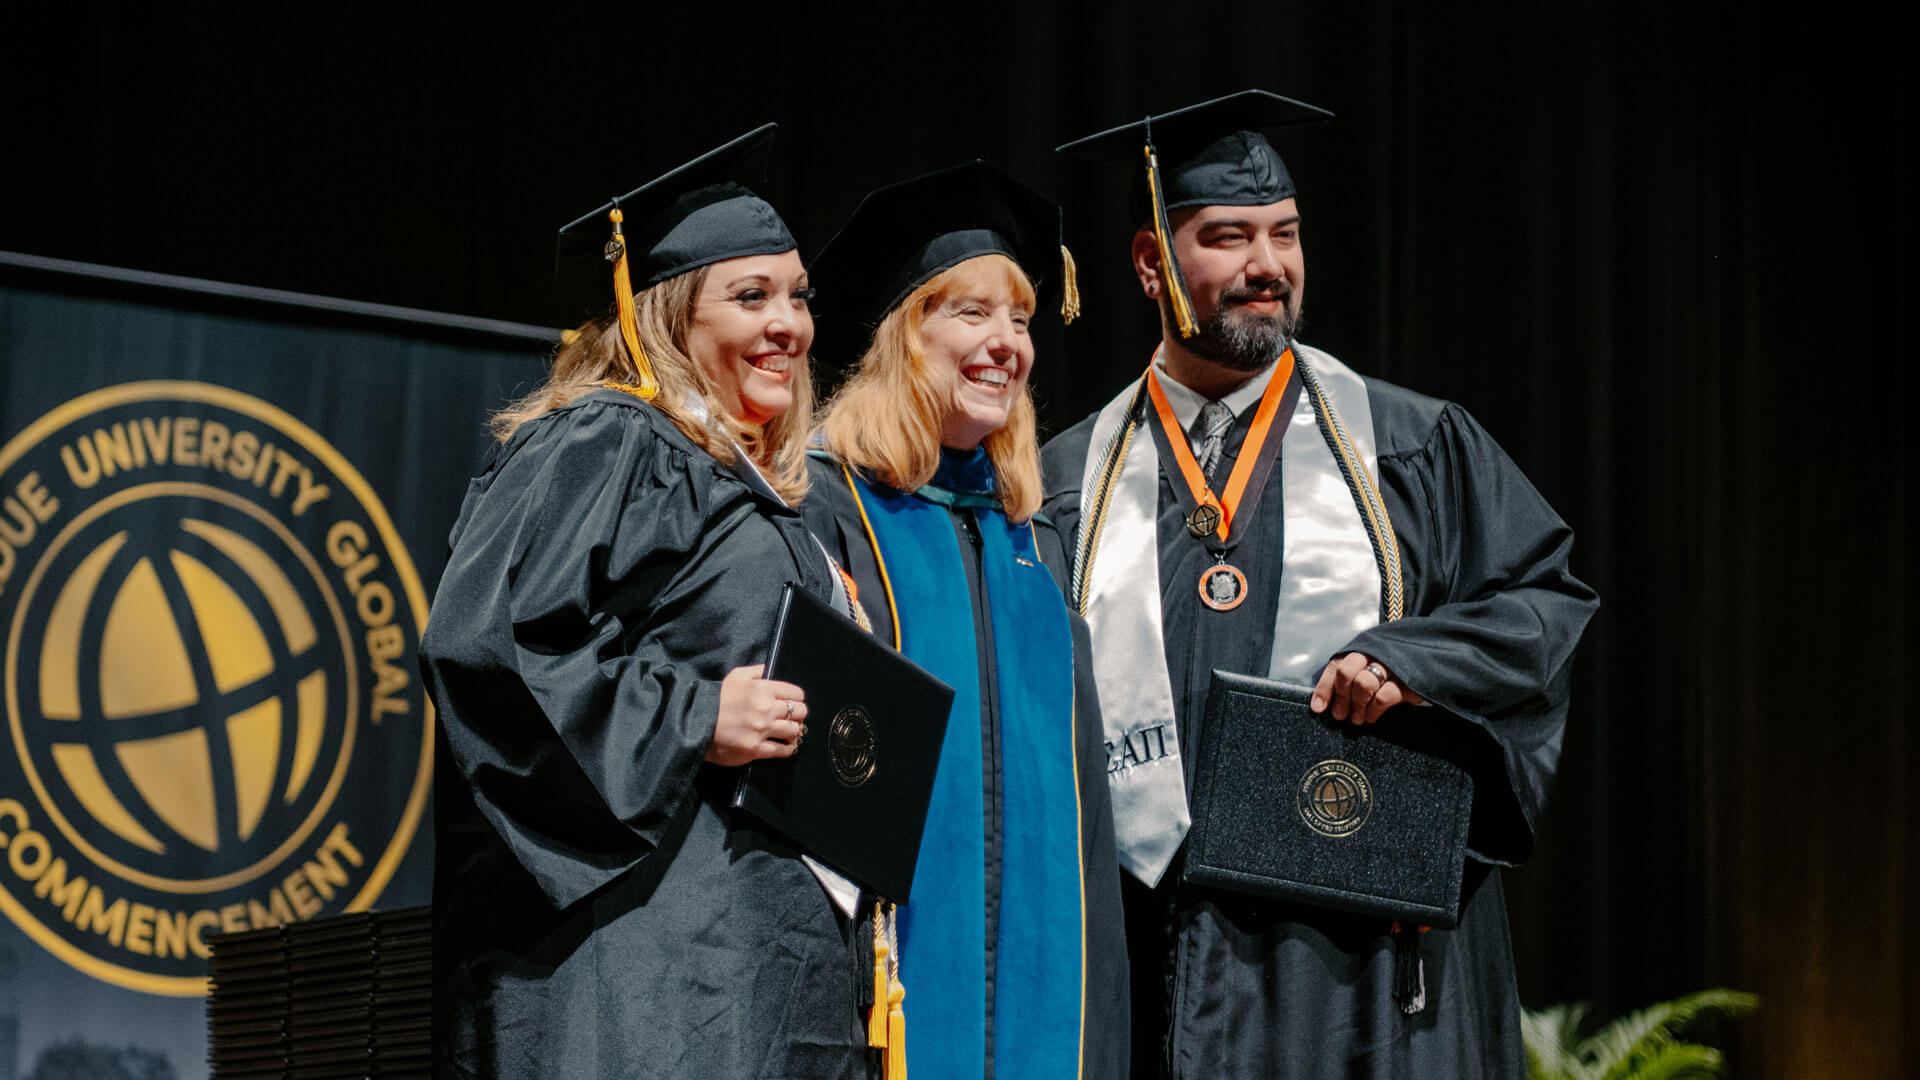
[(925, 485)]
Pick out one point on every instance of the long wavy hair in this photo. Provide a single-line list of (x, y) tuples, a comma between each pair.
[(885, 421), (595, 355)]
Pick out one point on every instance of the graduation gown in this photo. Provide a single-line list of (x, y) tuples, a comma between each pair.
[(598, 912), (834, 514), (1230, 985)]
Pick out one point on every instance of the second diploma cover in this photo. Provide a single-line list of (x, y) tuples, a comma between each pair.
[(855, 796)]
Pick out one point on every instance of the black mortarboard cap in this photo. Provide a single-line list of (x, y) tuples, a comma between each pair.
[(901, 236), (1215, 153), (1210, 154), (699, 213), (695, 215)]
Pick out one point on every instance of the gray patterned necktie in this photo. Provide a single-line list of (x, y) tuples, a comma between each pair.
[(1215, 419)]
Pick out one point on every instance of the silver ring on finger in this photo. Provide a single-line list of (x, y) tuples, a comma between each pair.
[(789, 713), (1378, 672)]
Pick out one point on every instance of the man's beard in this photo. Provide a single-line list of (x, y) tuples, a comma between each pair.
[(1241, 340)]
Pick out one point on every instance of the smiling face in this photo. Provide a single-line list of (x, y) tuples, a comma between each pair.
[(1246, 273), (751, 331), (975, 332)]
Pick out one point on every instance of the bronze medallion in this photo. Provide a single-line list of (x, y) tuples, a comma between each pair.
[(1204, 520), (850, 741), (1223, 587), (1335, 798)]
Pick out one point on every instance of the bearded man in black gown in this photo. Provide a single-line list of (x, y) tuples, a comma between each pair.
[(1217, 476)]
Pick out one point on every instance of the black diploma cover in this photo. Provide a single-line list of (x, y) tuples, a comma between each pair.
[(855, 796), (1289, 805)]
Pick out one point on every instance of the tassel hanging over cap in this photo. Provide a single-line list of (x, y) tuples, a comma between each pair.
[(1169, 268), (646, 386), (1069, 287)]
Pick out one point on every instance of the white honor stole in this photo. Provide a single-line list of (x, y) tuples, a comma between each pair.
[(1330, 591)]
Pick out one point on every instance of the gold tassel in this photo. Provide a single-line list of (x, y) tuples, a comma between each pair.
[(645, 386), (877, 1014), (1169, 269), (896, 1033), (1069, 287), (896, 1064)]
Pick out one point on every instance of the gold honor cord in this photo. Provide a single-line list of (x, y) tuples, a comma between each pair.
[(887, 1019), (1366, 495), (1091, 524), (1169, 269), (886, 1022), (879, 560), (645, 385), (877, 1014)]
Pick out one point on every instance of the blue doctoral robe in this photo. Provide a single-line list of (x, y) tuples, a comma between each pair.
[(1013, 948)]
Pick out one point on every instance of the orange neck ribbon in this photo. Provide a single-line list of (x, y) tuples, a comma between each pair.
[(1249, 452)]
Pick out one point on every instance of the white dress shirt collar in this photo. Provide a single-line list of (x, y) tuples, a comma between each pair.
[(1187, 403)]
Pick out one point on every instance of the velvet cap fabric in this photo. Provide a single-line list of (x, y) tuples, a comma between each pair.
[(697, 214), (1214, 153), (904, 234)]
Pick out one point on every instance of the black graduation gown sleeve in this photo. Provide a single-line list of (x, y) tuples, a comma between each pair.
[(833, 515), (1493, 612), (544, 611), (598, 910)]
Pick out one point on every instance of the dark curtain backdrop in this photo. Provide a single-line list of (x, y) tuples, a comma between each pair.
[(1661, 250)]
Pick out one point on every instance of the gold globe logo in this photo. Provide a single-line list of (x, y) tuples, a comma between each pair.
[(183, 687), (148, 667), (209, 682), (1335, 798), (850, 738)]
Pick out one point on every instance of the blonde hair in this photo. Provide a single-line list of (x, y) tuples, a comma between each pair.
[(595, 355), (886, 420)]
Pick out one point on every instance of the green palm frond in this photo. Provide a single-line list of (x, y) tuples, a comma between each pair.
[(1636, 1036), (1680, 1061), (1641, 1045)]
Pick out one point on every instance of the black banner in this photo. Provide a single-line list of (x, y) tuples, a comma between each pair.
[(222, 515)]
